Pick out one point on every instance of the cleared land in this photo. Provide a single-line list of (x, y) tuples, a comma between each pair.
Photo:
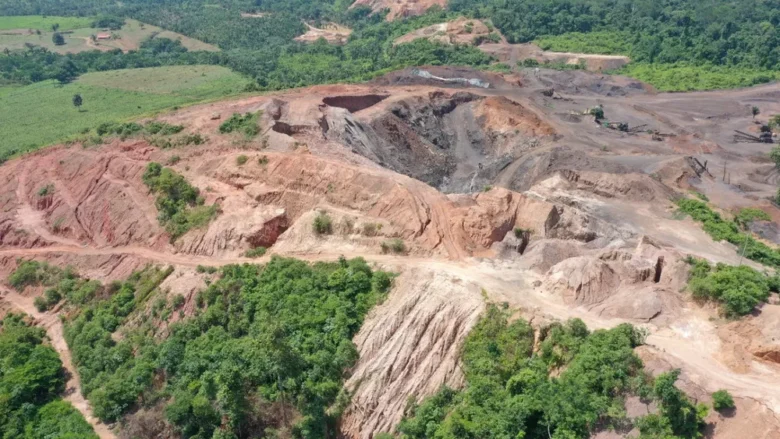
[(43, 23), (43, 113), (80, 39)]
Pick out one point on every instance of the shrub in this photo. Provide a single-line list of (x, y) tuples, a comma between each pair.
[(172, 160), (520, 233), (774, 154), (262, 160), (46, 190), (40, 304), (722, 400), (255, 252), (163, 128), (323, 225), (371, 229), (747, 215), (178, 301), (394, 245), (241, 160), (206, 269), (738, 289), (487, 188), (179, 203), (246, 124)]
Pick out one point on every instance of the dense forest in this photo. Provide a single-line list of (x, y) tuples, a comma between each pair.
[(574, 385), (666, 39), (262, 48), (31, 383), (266, 350)]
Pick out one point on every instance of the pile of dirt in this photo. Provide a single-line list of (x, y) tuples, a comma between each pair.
[(639, 284), (459, 31), (400, 8)]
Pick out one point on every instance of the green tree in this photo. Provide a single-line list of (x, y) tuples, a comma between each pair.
[(58, 39), (78, 101), (722, 400), (756, 111)]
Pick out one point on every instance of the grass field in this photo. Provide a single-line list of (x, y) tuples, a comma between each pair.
[(78, 40), (43, 113), (43, 23)]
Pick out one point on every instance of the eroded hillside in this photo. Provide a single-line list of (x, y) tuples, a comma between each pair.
[(505, 193)]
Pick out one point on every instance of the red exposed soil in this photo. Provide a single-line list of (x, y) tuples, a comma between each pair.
[(505, 189)]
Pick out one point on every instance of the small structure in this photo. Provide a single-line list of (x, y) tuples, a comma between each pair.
[(104, 36)]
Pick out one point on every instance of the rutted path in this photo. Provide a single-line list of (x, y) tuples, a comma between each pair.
[(54, 330), (502, 284)]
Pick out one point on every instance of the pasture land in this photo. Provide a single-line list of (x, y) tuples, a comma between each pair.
[(43, 113)]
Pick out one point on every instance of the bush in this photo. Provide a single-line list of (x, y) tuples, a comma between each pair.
[(40, 304), (178, 301), (241, 160), (371, 229), (720, 229), (172, 160), (323, 225), (722, 400), (255, 252), (246, 124), (738, 289), (394, 245), (163, 128), (774, 154), (520, 233), (205, 269), (262, 160), (46, 190), (179, 203)]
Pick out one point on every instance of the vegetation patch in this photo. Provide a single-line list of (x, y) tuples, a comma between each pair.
[(31, 383), (575, 382), (42, 113), (266, 351), (323, 224), (684, 76), (245, 124), (722, 400), (394, 245), (724, 230), (180, 205), (256, 252), (43, 23), (738, 289)]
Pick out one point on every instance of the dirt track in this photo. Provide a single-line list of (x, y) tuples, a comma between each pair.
[(51, 322)]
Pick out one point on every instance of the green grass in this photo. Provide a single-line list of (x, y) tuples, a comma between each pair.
[(130, 37), (43, 23), (686, 77), (43, 113)]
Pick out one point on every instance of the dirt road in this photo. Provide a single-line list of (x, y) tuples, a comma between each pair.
[(503, 283), (51, 322)]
